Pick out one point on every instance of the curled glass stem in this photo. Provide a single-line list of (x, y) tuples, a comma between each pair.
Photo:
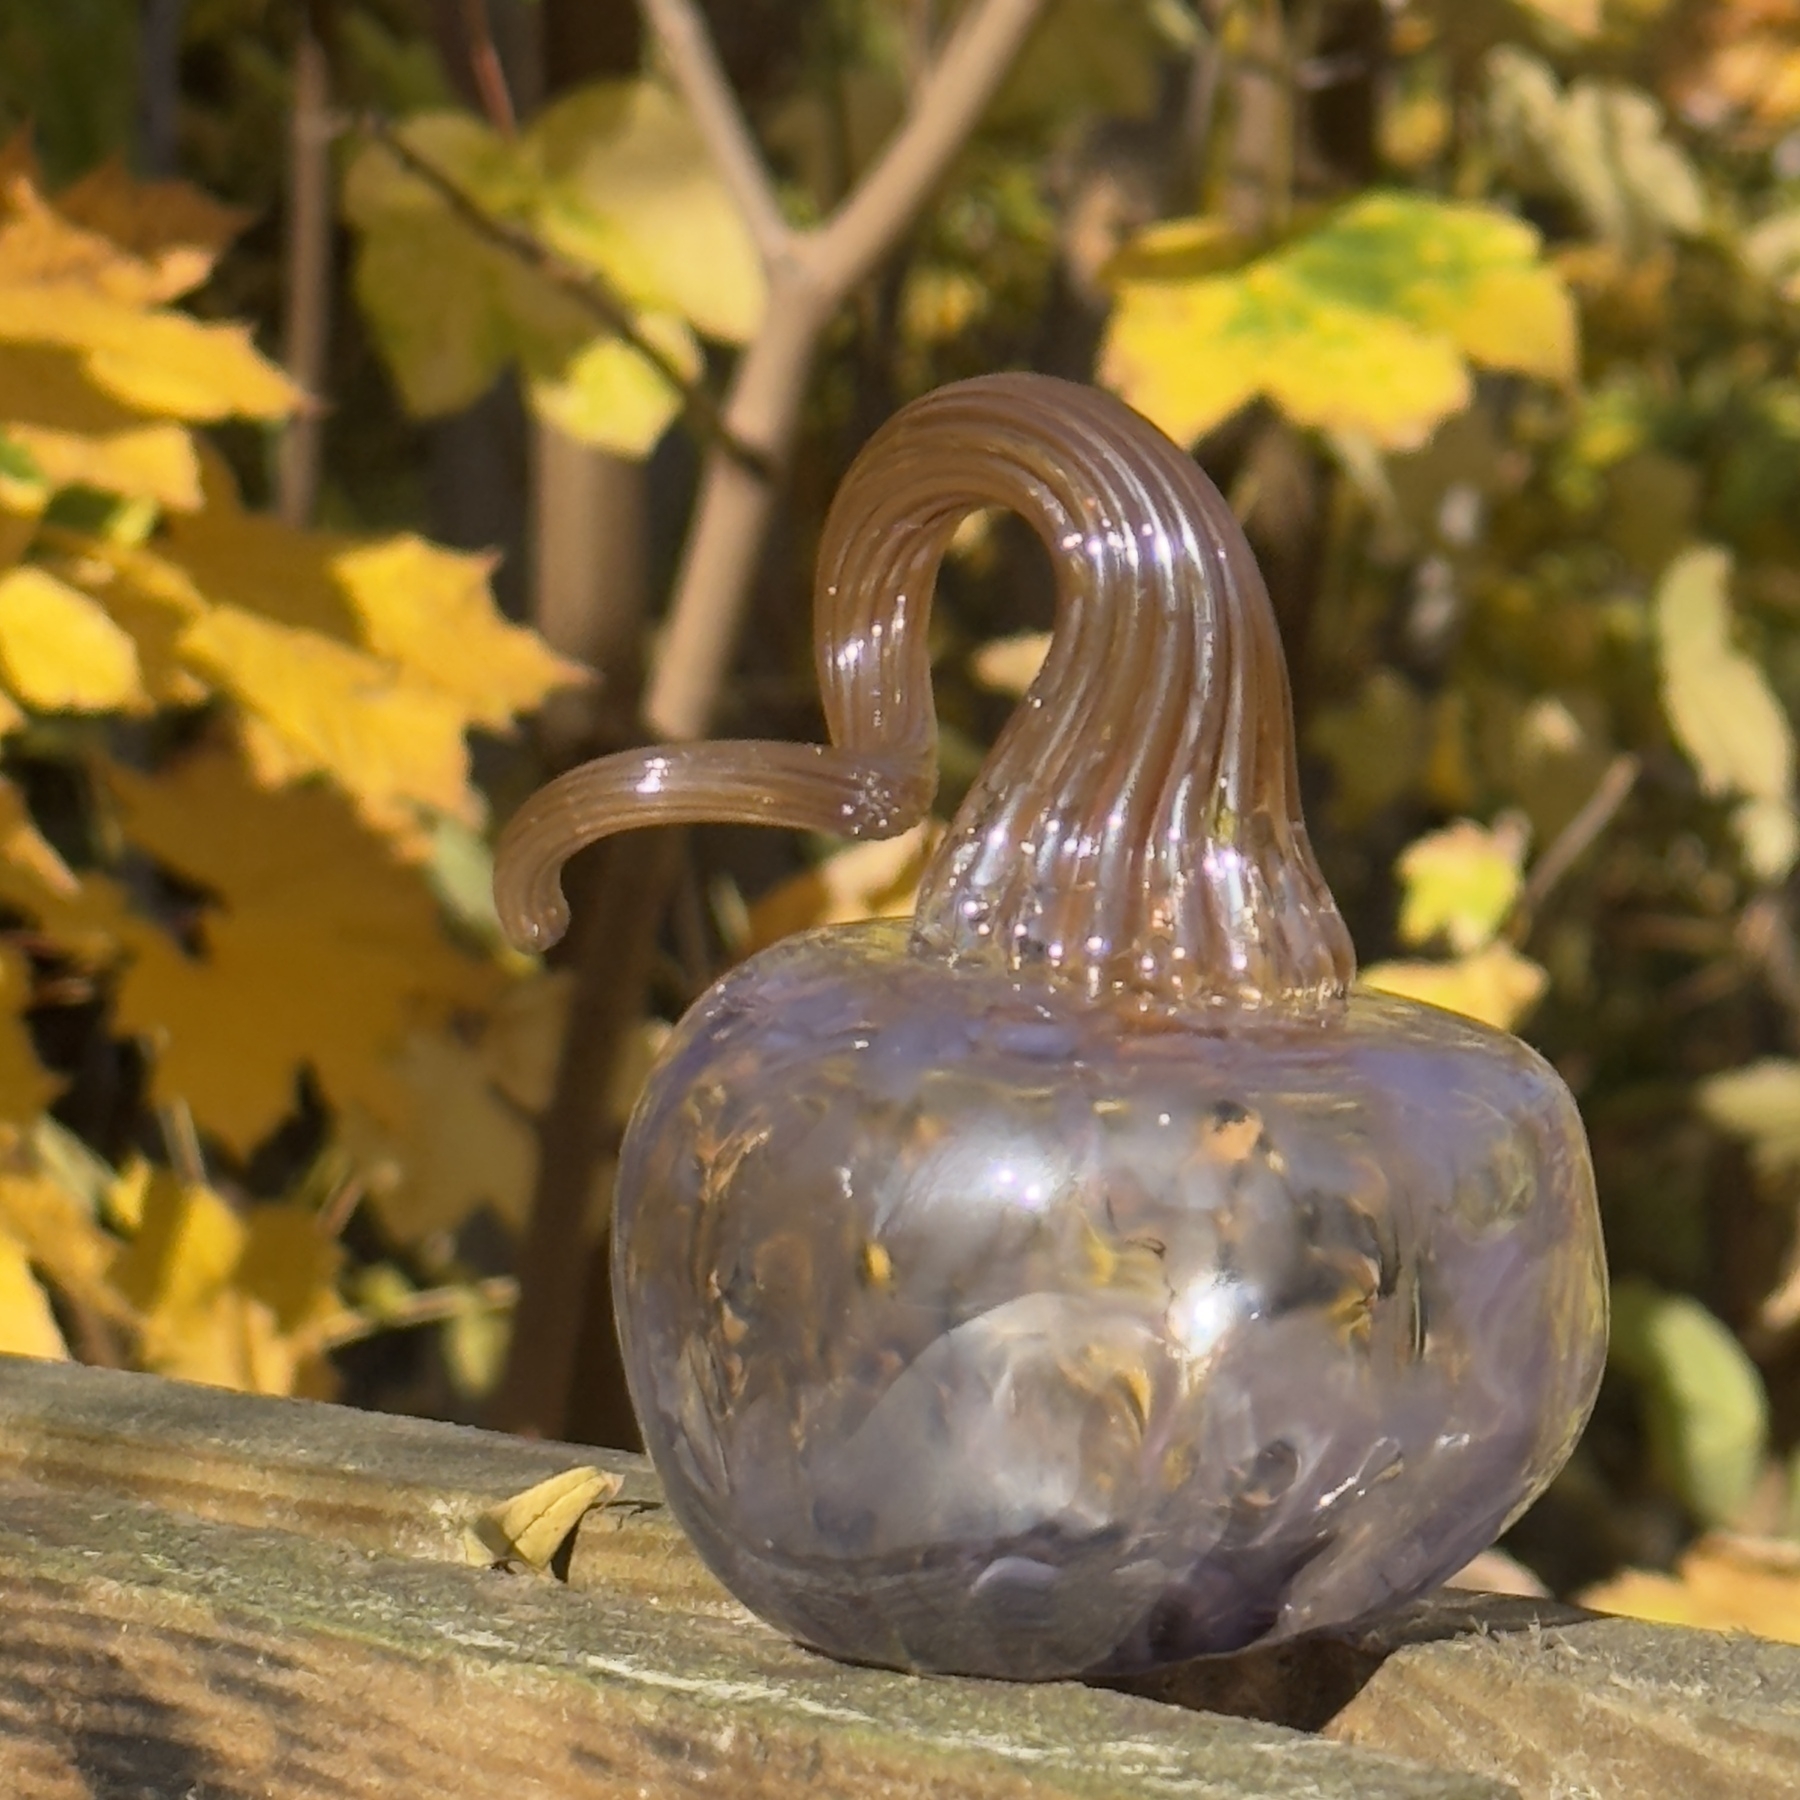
[(1137, 828)]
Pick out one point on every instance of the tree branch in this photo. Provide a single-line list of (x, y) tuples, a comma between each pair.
[(610, 310), (687, 47), (486, 69), (955, 94)]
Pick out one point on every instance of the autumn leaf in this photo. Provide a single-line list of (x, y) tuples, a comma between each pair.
[(314, 706), (323, 949), (60, 652), (1495, 985), (27, 1325), (531, 1527), (431, 612), (174, 230), (1722, 711), (65, 287), (62, 1238), (616, 180), (1761, 1104), (1723, 1583), (1368, 324), (1459, 883), (26, 1088), (869, 881)]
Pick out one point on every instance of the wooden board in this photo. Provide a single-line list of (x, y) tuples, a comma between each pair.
[(208, 1596)]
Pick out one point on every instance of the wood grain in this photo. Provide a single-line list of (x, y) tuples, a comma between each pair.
[(208, 1596)]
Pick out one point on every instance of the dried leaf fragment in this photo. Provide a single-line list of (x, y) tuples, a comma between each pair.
[(531, 1527)]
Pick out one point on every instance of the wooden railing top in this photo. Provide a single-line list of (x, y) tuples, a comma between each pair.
[(208, 1596)]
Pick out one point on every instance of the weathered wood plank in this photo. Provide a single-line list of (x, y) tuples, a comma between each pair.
[(207, 1597)]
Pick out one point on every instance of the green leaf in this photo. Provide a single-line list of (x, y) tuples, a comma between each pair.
[(1721, 709), (1369, 324), (1705, 1409), (1761, 1104)]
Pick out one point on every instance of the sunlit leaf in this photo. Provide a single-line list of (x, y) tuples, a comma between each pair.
[(1459, 883), (27, 1325), (431, 612), (531, 1527), (1723, 1583), (1496, 984), (325, 950), (879, 879), (1010, 665), (1705, 1408), (631, 191), (1368, 324), (1761, 1104), (59, 652), (319, 707), (1720, 706)]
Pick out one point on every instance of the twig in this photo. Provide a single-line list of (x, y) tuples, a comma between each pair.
[(687, 47), (308, 275), (182, 1142), (487, 71), (586, 289), (430, 1306), (1566, 849), (810, 275)]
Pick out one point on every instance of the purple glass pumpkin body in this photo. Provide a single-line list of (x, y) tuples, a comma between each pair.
[(976, 1330), (1084, 1277)]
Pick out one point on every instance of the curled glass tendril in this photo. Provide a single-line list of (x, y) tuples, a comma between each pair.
[(1138, 824)]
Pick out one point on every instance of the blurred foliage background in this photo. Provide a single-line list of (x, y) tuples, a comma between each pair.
[(359, 365)]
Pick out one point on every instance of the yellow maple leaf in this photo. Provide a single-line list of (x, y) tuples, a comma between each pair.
[(60, 652), (1723, 1583), (1366, 324), (27, 1325), (63, 1239), (1460, 882), (26, 1088), (171, 228), (63, 286), (76, 433), (324, 949), (431, 612), (1495, 985), (320, 707)]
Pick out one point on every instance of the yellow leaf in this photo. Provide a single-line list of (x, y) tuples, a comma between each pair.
[(59, 652), (1580, 18), (1723, 1583), (607, 395), (531, 1527), (456, 1144), (1721, 709), (631, 191), (1496, 985), (1010, 665), (324, 950), (61, 1236), (291, 1267), (431, 611), (1365, 325), (175, 230), (1461, 883), (76, 433), (319, 707), (185, 1250), (873, 880), (27, 1326), (25, 1087)]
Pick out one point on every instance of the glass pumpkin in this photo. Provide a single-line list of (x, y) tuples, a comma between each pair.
[(1082, 1277)]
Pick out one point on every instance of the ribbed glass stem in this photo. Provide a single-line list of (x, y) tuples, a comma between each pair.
[(1137, 828)]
